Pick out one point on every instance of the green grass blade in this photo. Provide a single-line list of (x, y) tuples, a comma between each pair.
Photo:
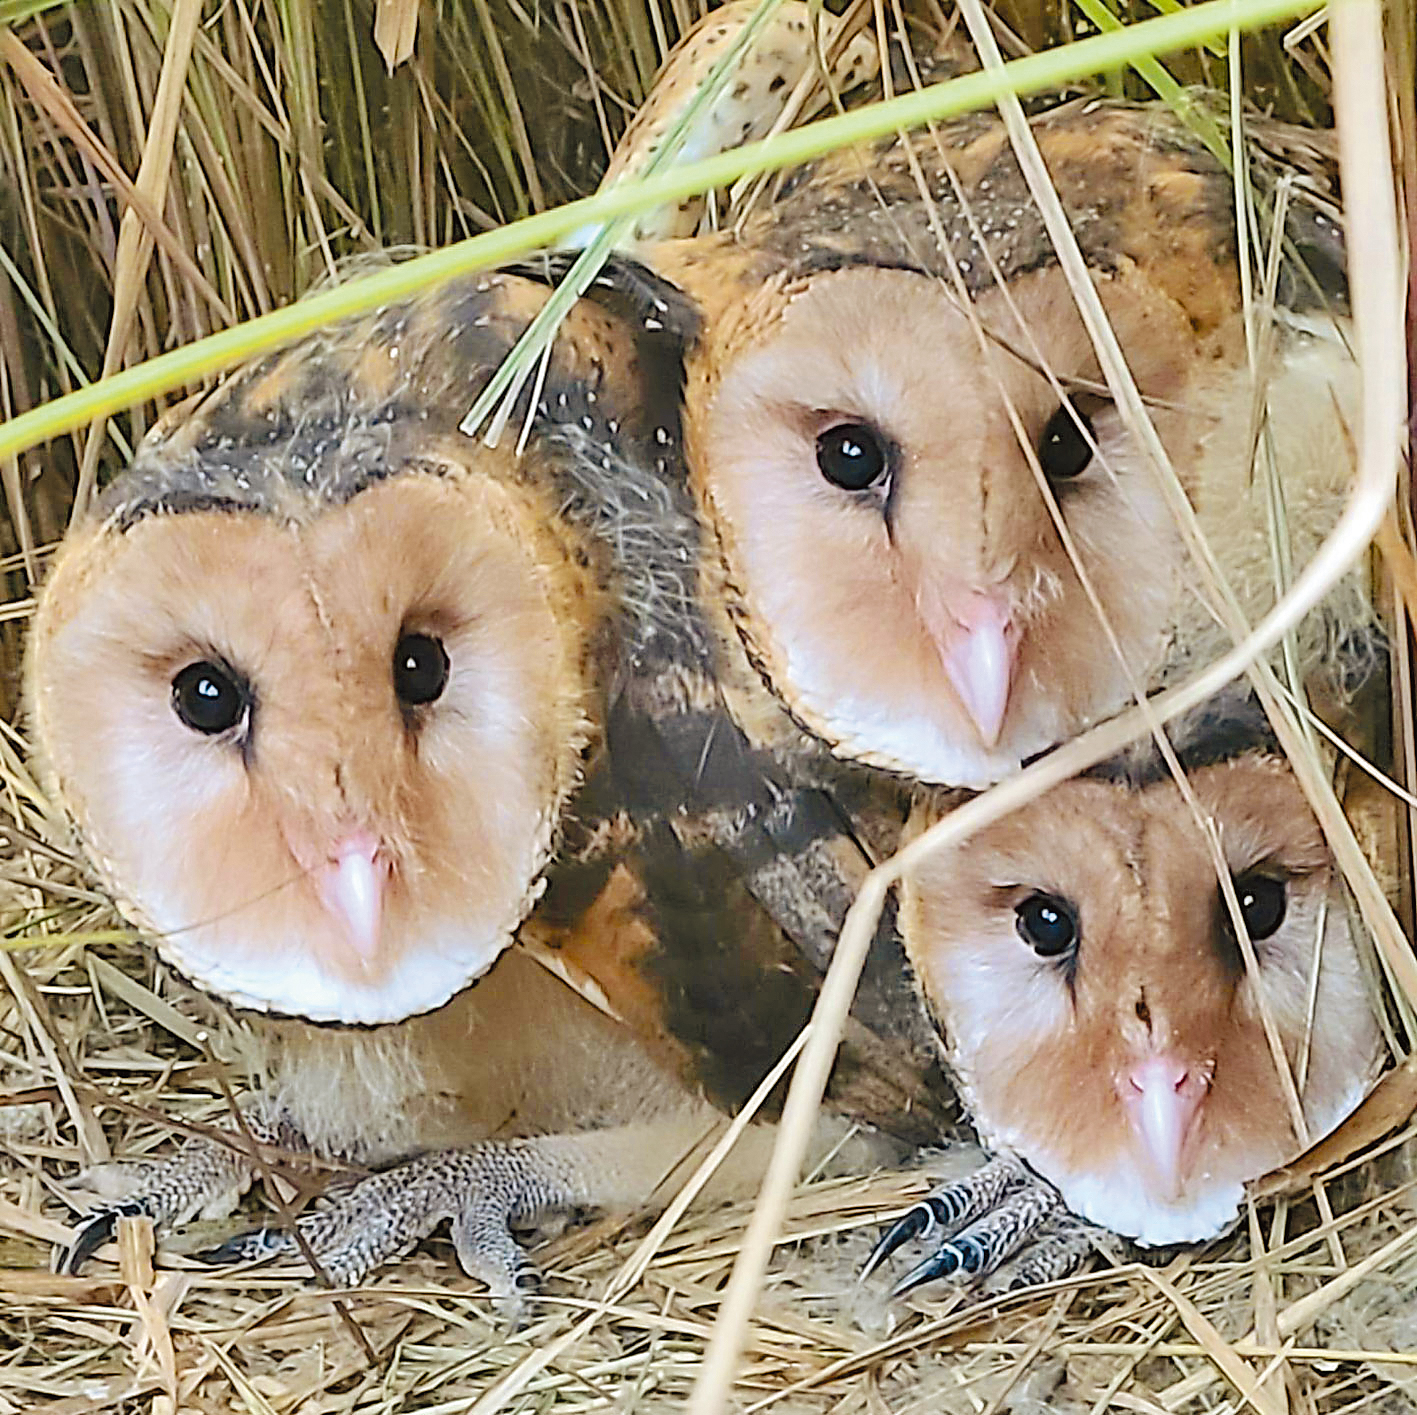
[(1033, 74), (512, 373)]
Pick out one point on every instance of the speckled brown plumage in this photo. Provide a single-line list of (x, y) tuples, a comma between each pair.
[(785, 50), (285, 535)]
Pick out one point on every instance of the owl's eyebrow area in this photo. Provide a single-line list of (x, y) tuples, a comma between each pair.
[(1275, 866), (1070, 383), (812, 418), (177, 503)]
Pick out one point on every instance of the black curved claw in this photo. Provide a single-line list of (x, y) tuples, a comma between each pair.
[(96, 1230), (959, 1255), (918, 1220), (944, 1209), (248, 1247)]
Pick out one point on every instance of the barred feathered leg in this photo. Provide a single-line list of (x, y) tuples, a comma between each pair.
[(1059, 1247)]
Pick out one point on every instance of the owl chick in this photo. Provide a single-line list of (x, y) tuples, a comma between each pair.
[(353, 665), (899, 504), (315, 679), (1098, 1010), (314, 684)]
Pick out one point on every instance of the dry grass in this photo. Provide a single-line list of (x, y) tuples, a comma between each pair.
[(1322, 1301), (129, 140)]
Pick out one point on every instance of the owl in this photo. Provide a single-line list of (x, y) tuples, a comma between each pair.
[(314, 684), (323, 684), (1085, 971), (914, 491)]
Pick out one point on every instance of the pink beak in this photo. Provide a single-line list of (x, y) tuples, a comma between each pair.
[(979, 650), (1163, 1098), (351, 884)]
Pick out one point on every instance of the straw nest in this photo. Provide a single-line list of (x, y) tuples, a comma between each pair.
[(1308, 1307)]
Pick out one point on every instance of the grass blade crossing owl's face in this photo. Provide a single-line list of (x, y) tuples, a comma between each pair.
[(928, 527), (1095, 1000), (318, 745)]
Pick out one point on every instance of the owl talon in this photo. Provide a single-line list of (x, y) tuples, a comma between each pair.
[(955, 1256), (203, 1179), (487, 1250), (949, 1208), (985, 1219), (96, 1230), (1057, 1248), (916, 1222)]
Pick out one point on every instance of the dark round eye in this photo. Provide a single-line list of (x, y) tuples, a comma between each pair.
[(1263, 902), (1063, 450), (420, 669), (853, 456), (209, 699), (1047, 924)]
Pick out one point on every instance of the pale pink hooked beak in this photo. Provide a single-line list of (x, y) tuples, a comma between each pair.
[(1163, 1099), (978, 647), (351, 885)]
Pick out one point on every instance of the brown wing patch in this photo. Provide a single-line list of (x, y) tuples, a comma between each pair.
[(610, 943)]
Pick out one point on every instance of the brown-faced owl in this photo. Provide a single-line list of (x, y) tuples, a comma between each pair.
[(1125, 1055), (317, 683), (914, 490)]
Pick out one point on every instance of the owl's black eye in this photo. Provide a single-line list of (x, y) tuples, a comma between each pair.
[(420, 669), (1047, 924), (853, 456), (209, 698), (1063, 450), (1263, 903)]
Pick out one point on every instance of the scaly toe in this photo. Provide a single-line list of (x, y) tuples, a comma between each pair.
[(249, 1248)]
